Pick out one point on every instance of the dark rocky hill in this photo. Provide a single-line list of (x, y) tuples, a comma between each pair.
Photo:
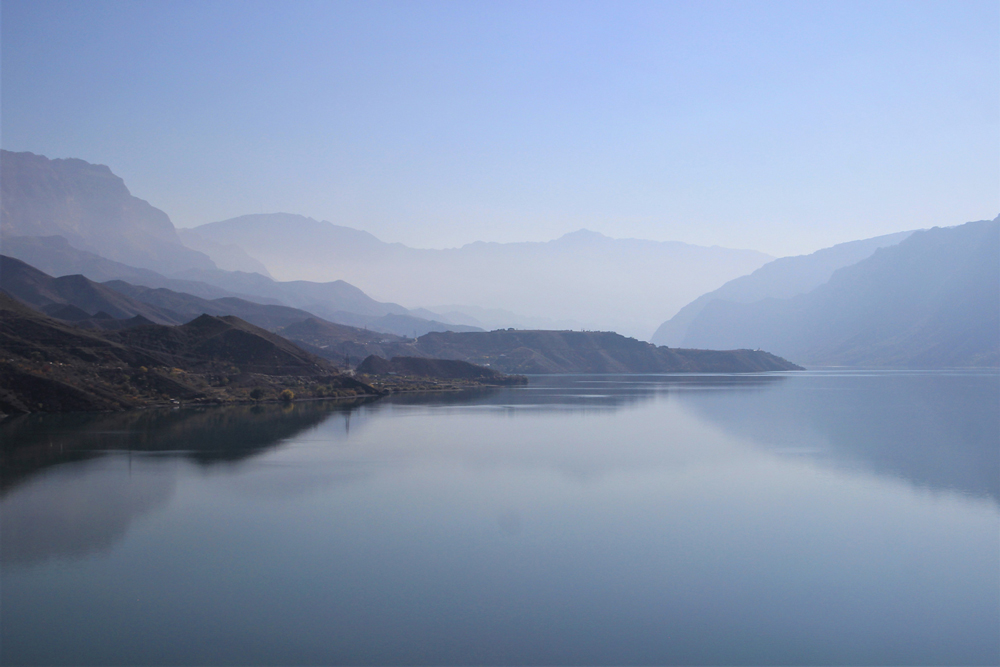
[(516, 352), (207, 342), (424, 367), (338, 342), (70, 296), (267, 316), (48, 365), (55, 256)]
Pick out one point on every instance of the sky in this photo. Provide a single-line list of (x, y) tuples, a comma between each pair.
[(781, 127)]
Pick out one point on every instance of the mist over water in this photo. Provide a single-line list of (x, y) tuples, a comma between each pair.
[(812, 518)]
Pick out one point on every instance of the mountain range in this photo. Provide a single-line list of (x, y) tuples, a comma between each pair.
[(580, 280), (93, 254), (48, 365), (780, 279), (932, 300), (71, 217)]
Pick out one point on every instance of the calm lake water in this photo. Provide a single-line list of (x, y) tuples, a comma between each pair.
[(803, 518)]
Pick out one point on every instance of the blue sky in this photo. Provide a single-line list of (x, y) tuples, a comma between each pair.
[(782, 127)]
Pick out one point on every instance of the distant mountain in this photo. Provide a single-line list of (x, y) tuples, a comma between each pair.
[(623, 284), (54, 255), (780, 279), (116, 305), (517, 351), (492, 318), (931, 301), (227, 256), (92, 208), (72, 217), (188, 306), (336, 301)]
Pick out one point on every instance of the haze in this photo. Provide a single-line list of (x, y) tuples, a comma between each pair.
[(780, 128)]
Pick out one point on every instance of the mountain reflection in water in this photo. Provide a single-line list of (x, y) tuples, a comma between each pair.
[(807, 518), (936, 430)]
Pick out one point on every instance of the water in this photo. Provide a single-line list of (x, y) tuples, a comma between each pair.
[(811, 518)]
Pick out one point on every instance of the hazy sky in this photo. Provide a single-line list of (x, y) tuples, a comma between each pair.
[(782, 127)]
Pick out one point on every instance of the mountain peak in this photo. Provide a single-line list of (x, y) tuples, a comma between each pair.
[(584, 235)]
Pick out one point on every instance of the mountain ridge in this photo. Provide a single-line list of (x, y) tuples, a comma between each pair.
[(583, 276), (782, 278), (933, 300)]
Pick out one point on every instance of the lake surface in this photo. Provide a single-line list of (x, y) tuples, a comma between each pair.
[(801, 518)]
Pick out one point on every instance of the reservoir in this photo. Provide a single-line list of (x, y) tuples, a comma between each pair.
[(811, 518)]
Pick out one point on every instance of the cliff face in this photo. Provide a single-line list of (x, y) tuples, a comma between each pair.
[(91, 207)]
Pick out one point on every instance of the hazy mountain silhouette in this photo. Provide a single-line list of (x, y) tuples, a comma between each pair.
[(69, 217), (92, 208), (627, 285), (780, 279), (933, 300), (337, 301), (227, 256), (55, 256)]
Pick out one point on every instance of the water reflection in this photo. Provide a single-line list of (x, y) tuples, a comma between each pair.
[(208, 436), (583, 520), (575, 393), (936, 430), (67, 483)]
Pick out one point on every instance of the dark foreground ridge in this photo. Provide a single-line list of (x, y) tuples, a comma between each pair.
[(517, 352), (51, 366)]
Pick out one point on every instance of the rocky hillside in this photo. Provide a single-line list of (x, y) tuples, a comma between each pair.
[(74, 297), (781, 279), (49, 366), (931, 301), (449, 369)]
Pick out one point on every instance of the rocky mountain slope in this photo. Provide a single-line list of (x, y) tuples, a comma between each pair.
[(435, 368), (72, 217), (47, 365), (75, 297), (931, 301), (780, 279)]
